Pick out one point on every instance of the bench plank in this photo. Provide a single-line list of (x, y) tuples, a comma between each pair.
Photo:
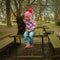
[(38, 33), (5, 42), (54, 40)]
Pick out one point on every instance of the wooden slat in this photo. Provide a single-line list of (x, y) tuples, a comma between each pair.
[(6, 35), (54, 40), (29, 56), (5, 42)]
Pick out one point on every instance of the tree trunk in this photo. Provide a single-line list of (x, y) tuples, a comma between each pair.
[(8, 13)]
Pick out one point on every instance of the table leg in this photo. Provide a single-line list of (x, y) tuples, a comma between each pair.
[(42, 48), (15, 44)]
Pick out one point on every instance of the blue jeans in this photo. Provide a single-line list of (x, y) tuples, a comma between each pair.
[(27, 36)]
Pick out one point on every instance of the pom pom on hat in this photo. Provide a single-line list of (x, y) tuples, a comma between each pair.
[(30, 10)]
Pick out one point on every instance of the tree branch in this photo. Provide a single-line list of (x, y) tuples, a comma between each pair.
[(16, 4), (13, 12), (32, 2)]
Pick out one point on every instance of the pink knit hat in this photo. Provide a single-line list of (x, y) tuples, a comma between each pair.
[(29, 13)]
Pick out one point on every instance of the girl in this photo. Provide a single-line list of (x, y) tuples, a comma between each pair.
[(30, 28)]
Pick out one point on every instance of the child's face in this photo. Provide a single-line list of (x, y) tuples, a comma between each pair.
[(27, 18)]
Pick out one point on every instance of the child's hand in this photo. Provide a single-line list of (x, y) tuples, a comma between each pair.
[(29, 31)]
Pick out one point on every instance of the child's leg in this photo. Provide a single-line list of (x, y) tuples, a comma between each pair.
[(26, 34), (31, 35)]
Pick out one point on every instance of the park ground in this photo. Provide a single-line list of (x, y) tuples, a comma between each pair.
[(10, 54)]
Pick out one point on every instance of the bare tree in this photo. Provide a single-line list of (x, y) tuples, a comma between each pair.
[(8, 13)]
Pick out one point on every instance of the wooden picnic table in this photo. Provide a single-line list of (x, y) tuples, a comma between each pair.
[(38, 33)]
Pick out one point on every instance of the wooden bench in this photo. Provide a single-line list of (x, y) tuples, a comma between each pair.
[(55, 43), (38, 33), (5, 41), (54, 40), (6, 35)]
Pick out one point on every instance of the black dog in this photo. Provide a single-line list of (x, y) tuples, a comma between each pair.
[(21, 25)]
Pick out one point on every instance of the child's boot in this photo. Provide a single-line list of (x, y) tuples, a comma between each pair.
[(31, 45), (27, 46)]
